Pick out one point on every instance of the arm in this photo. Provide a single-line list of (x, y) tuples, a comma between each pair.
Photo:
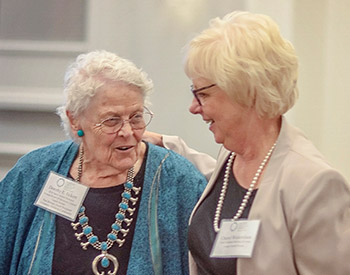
[(10, 207), (204, 162), (321, 234)]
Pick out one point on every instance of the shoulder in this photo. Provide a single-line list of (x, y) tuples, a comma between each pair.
[(25, 179), (45, 154), (174, 174), (298, 169), (52, 150), (43, 159), (170, 160), (296, 153)]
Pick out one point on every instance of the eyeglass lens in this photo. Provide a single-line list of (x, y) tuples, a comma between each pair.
[(195, 91), (136, 122)]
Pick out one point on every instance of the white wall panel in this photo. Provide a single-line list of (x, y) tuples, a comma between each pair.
[(152, 33)]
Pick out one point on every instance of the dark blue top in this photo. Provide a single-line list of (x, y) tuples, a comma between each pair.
[(201, 231)]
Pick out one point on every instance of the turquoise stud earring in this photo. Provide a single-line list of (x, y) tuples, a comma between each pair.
[(80, 133)]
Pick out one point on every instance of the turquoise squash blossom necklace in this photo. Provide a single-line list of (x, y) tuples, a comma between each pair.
[(87, 231)]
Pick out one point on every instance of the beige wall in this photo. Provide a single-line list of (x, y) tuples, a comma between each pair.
[(320, 31), (152, 35)]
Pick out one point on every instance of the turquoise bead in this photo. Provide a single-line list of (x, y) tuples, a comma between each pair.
[(83, 220), (116, 227), (120, 216), (105, 262), (112, 236), (123, 206), (128, 184), (87, 230), (126, 195), (93, 239), (104, 246), (80, 133), (82, 209)]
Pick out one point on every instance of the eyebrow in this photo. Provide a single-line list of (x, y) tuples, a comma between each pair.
[(111, 114)]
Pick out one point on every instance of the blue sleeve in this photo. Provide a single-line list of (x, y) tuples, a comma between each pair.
[(18, 191), (11, 204)]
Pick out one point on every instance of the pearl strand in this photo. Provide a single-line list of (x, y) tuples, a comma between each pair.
[(247, 194)]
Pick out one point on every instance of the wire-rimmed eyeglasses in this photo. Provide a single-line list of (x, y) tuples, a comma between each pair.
[(137, 121), (198, 96)]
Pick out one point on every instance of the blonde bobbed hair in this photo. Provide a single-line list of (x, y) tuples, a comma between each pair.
[(246, 56)]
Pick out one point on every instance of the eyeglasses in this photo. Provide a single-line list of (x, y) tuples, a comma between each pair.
[(199, 98), (137, 122)]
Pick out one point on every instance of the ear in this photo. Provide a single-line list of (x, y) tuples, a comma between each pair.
[(74, 122)]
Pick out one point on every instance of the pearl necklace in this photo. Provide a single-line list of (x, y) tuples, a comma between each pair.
[(112, 237), (247, 194)]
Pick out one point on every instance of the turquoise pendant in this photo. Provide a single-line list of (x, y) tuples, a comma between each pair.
[(105, 259), (105, 262)]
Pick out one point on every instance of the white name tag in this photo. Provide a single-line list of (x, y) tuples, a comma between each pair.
[(235, 239), (61, 196)]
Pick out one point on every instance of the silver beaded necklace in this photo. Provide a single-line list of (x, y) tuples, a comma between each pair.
[(247, 194), (112, 237)]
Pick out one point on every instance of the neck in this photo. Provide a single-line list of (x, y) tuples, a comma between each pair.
[(102, 178), (257, 138), (254, 149), (101, 175)]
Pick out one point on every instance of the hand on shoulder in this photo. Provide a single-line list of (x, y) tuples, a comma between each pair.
[(153, 138)]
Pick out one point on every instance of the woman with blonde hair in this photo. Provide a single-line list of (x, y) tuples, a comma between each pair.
[(273, 205)]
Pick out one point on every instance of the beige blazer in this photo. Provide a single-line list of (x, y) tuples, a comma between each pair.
[(304, 208)]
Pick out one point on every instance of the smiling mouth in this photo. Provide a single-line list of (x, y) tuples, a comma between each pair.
[(209, 122), (124, 148)]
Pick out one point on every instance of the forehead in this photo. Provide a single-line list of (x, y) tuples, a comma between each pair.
[(118, 97)]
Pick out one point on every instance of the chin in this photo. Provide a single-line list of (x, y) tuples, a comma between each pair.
[(123, 166), (229, 146), (218, 139), (124, 162)]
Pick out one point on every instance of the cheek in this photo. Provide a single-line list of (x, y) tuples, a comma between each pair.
[(101, 141), (213, 110), (138, 134)]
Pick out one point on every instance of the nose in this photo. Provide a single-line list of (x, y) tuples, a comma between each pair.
[(195, 108), (125, 129)]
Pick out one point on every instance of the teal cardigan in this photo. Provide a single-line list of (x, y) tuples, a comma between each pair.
[(172, 185)]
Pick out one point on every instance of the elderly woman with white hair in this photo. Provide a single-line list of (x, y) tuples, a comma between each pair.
[(134, 217), (273, 205)]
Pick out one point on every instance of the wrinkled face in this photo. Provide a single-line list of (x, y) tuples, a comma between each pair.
[(226, 119), (121, 149)]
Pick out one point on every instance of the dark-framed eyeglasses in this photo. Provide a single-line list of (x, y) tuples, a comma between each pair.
[(196, 91), (137, 121)]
